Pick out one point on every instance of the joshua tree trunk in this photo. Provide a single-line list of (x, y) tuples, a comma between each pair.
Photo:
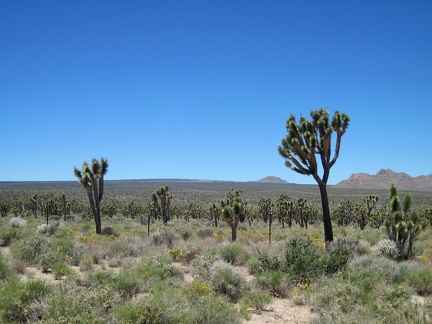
[(328, 230)]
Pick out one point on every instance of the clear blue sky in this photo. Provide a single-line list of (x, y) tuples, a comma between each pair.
[(202, 89)]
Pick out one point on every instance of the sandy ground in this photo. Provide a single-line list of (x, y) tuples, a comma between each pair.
[(282, 311)]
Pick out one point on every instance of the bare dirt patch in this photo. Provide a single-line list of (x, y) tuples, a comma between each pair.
[(282, 311)]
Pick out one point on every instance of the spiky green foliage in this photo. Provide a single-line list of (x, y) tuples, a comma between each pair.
[(402, 225), (162, 201), (91, 177), (233, 211), (285, 210), (311, 138)]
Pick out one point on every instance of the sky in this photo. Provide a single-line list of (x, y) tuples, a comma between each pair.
[(203, 89)]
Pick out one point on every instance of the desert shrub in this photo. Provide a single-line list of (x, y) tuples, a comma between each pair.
[(131, 312), (87, 261), (304, 260), (168, 237), (257, 300), (4, 268), (212, 309), (188, 255), (185, 234), (264, 262), (389, 270), (61, 269), (363, 248), (16, 297), (48, 229), (339, 253), (226, 281), (115, 262), (168, 305), (197, 289), (99, 278), (31, 249), (157, 239), (7, 234), (336, 294), (127, 283), (153, 271), (70, 303), (274, 282), (386, 248), (202, 265), (18, 266), (234, 254), (165, 237), (205, 232), (366, 278), (68, 248), (16, 222), (109, 231), (421, 280), (120, 249), (48, 260), (164, 305)]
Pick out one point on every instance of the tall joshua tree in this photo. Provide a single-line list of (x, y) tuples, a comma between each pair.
[(307, 140), (91, 177)]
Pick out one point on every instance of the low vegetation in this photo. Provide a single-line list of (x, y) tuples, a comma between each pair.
[(192, 272), (188, 255)]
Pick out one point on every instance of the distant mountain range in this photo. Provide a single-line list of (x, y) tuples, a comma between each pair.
[(384, 178), (272, 179)]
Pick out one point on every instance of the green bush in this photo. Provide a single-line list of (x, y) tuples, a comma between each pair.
[(168, 305), (127, 283), (7, 234), (212, 309), (265, 263), (304, 261), (389, 270), (30, 250), (273, 282), (99, 278), (16, 298), (87, 261), (71, 303), (60, 269), (4, 268), (339, 253), (421, 280), (257, 300), (47, 261), (205, 232), (234, 254), (226, 281)]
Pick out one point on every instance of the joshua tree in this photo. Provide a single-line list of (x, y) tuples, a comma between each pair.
[(4, 208), (214, 213), (64, 205), (308, 139), (344, 214), (285, 209), (161, 200), (364, 214), (403, 226), (34, 205), (92, 179), (266, 209), (232, 210)]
